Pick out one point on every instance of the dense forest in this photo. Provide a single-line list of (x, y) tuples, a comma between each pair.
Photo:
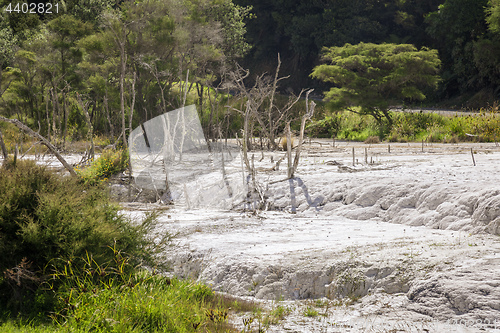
[(463, 31), (108, 65)]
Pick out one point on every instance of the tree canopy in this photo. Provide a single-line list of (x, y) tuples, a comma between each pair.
[(374, 76), (123, 61), (127, 61), (299, 29)]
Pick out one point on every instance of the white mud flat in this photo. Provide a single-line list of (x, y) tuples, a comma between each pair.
[(408, 243)]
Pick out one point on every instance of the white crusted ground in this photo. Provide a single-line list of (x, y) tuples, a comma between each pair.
[(408, 242)]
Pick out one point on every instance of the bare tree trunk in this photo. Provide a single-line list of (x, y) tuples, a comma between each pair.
[(185, 89), (44, 141), (4, 149), (183, 133), (123, 68), (245, 138), (108, 117), (132, 104), (271, 105), (89, 123), (308, 115), (289, 150), (65, 117), (55, 114), (48, 115)]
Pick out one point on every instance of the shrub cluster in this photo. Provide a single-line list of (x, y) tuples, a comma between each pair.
[(344, 126), (410, 126), (107, 164), (47, 220)]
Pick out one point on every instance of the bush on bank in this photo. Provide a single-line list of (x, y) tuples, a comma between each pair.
[(107, 164), (410, 126), (46, 221)]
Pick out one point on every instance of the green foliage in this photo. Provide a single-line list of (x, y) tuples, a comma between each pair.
[(374, 76), (44, 216), (12, 137), (116, 297), (152, 304), (455, 27), (411, 126), (311, 312), (66, 252), (277, 314), (232, 19), (301, 28), (88, 10), (7, 46), (81, 50), (110, 162), (95, 298), (493, 15), (328, 127), (66, 31), (344, 126), (21, 24)]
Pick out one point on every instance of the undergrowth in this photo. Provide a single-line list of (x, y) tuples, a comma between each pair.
[(410, 126), (107, 164)]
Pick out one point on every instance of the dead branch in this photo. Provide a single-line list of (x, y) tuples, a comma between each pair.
[(53, 149), (308, 115), (289, 150)]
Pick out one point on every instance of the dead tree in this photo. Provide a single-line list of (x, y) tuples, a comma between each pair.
[(260, 108), (261, 105), (307, 116), (85, 107)]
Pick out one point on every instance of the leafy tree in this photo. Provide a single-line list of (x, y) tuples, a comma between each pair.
[(232, 19), (98, 71), (455, 27), (487, 49), (21, 24), (65, 31), (118, 25), (7, 46), (116, 54), (375, 76), (88, 10), (298, 29), (493, 16)]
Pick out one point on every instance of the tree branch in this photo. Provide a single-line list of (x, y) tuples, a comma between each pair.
[(44, 141)]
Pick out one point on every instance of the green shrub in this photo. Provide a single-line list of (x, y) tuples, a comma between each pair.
[(44, 217), (410, 126), (107, 164), (325, 128)]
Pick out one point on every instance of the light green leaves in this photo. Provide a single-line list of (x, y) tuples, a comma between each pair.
[(374, 76)]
